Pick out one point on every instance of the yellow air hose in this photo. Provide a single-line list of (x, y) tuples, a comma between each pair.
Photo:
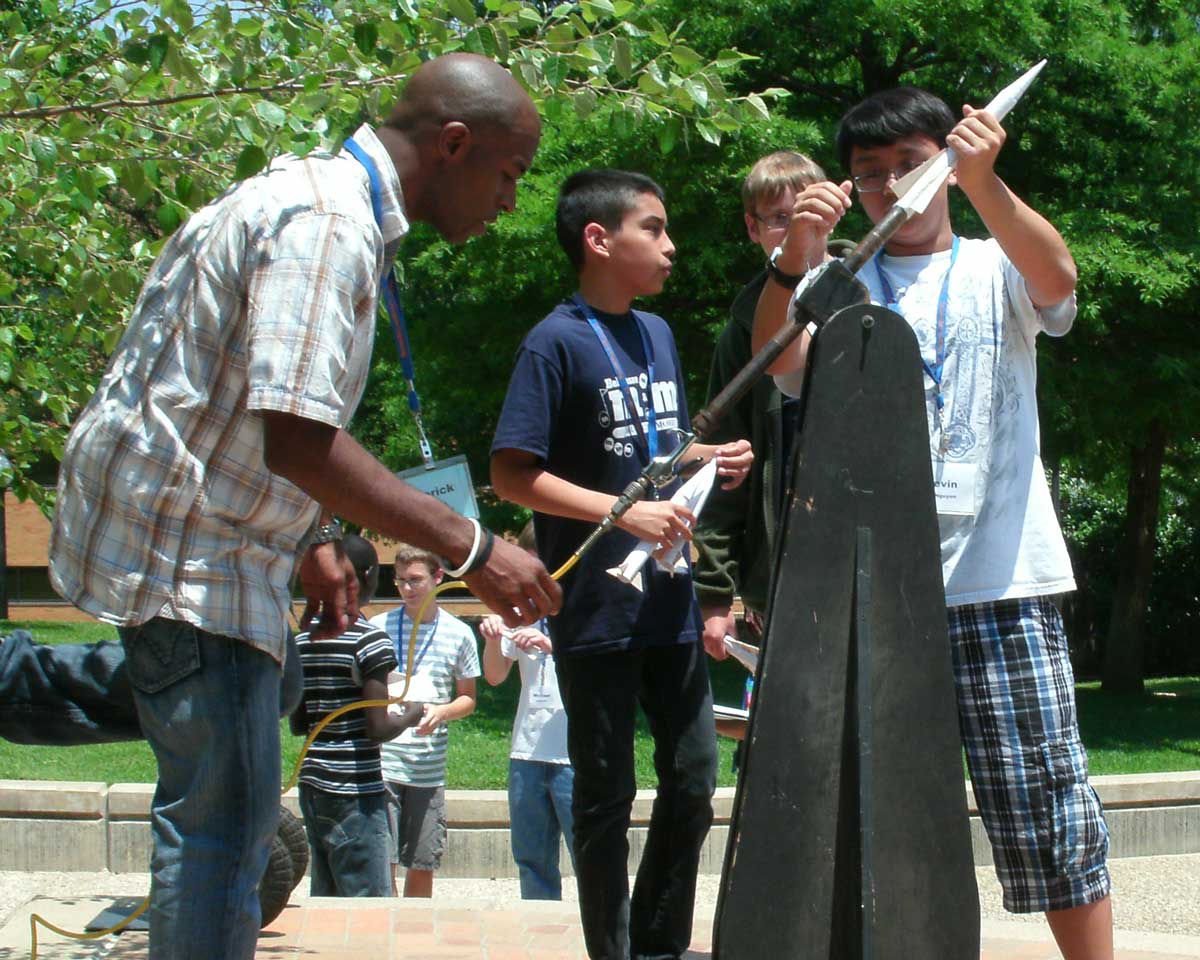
[(36, 919)]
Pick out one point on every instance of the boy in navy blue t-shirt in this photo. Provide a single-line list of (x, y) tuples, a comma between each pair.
[(596, 391)]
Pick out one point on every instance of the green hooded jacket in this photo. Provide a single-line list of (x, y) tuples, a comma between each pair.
[(735, 537)]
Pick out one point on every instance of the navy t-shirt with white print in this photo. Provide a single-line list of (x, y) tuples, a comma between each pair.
[(564, 405)]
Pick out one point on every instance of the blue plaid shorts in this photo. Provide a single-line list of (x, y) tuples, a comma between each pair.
[(1016, 710)]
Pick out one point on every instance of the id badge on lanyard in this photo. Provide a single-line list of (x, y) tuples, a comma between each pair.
[(953, 483), (954, 487), (541, 695), (447, 480)]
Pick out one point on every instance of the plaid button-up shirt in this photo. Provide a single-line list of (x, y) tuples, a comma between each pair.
[(264, 300)]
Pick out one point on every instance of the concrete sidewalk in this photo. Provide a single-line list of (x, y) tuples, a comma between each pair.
[(483, 920)]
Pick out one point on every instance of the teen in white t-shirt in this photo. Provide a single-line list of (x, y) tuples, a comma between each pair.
[(1002, 550)]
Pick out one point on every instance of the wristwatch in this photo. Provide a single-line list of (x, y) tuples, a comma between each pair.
[(789, 281), (327, 533)]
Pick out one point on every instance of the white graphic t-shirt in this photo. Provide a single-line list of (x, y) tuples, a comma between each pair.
[(1000, 536)]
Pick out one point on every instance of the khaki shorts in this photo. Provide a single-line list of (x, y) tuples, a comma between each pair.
[(417, 818)]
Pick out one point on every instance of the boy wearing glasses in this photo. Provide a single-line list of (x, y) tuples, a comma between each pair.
[(445, 667), (976, 307), (736, 534)]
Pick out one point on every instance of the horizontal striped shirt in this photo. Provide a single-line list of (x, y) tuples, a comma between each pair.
[(263, 300), (342, 759), (445, 653)]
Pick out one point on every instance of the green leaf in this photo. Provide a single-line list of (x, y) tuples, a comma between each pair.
[(622, 57), (697, 91), (180, 11), (732, 58), (651, 84), (157, 46), (585, 102), (529, 17), (463, 11), (726, 123), (554, 70), (366, 36), (709, 132), (44, 150), (757, 103), (270, 113), (668, 135), (686, 57), (251, 160), (168, 217), (248, 27)]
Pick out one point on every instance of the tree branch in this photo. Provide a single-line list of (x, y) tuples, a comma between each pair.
[(36, 113)]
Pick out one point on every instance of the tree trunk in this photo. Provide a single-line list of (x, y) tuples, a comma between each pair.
[(1124, 650), (3, 559)]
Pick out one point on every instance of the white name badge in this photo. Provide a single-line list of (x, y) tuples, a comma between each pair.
[(449, 481), (954, 488), (543, 698)]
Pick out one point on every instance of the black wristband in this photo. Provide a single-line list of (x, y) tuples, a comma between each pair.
[(485, 551), (789, 281)]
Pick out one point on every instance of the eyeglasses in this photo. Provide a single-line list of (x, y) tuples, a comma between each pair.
[(776, 221), (413, 583), (876, 180)]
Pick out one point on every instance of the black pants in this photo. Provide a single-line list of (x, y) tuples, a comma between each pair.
[(601, 693)]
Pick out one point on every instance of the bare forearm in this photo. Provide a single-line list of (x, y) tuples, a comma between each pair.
[(1035, 248), (461, 706), (770, 317), (495, 664), (336, 471), (538, 489)]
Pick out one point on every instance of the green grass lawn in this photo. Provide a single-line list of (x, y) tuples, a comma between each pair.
[(1156, 732)]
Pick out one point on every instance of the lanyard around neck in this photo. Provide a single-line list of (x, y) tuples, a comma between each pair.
[(650, 439), (934, 370), (399, 641), (389, 293)]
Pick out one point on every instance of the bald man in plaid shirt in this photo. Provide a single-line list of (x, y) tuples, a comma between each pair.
[(215, 448)]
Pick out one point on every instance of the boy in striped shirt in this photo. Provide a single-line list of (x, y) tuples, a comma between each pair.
[(342, 795), (445, 666)]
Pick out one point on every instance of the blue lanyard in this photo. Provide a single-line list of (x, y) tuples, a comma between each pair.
[(651, 441), (401, 643), (389, 293), (935, 370)]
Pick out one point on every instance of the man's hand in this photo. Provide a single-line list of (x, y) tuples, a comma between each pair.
[(718, 621), (977, 140), (816, 212), (733, 462), (516, 585), (658, 521), (331, 589)]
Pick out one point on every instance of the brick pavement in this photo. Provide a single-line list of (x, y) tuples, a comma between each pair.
[(466, 930)]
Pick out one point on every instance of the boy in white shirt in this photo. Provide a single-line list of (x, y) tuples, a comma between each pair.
[(445, 665), (540, 777), (977, 307)]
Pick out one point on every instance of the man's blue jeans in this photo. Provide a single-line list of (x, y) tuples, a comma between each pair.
[(209, 706), (539, 811), (351, 843)]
